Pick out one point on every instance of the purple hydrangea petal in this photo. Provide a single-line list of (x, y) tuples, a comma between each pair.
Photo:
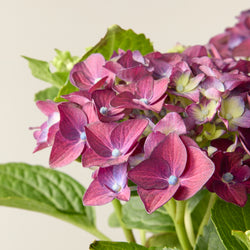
[(64, 151), (127, 133), (175, 155), (198, 171), (97, 194), (151, 174), (155, 198)]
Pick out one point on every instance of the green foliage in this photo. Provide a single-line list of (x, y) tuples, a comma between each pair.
[(135, 216), (197, 206), (49, 93), (118, 38), (243, 237), (113, 220), (228, 217), (210, 239), (105, 245), (163, 240), (63, 61), (41, 70), (66, 89), (48, 191)]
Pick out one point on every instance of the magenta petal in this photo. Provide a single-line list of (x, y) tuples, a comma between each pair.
[(234, 193), (133, 74), (160, 87), (79, 97), (172, 122), (125, 100), (98, 137), (98, 84), (144, 87), (151, 174), (113, 175), (152, 141), (127, 133), (90, 159), (72, 120), (174, 152), (79, 80), (64, 151), (198, 171), (47, 107), (124, 195), (94, 64), (97, 195), (153, 199), (243, 49)]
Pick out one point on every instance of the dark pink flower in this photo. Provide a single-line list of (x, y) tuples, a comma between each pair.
[(244, 135), (184, 83), (229, 180), (175, 168), (46, 132), (70, 140), (146, 94), (129, 66), (109, 183), (90, 74), (112, 143), (106, 112)]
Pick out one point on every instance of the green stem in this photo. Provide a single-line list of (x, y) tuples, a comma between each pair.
[(206, 217), (178, 218), (180, 226), (143, 237), (100, 235), (118, 210), (189, 227)]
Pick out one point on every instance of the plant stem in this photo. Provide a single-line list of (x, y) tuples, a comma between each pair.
[(180, 226), (176, 209), (118, 210), (206, 217), (189, 227), (143, 237), (100, 235)]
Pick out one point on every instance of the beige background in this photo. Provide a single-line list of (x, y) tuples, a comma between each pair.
[(34, 28)]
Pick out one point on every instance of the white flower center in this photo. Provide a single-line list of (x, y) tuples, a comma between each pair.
[(172, 180), (103, 110), (116, 152), (144, 100)]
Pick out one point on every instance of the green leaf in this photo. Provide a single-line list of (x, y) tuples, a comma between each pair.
[(49, 93), (244, 237), (210, 239), (106, 245), (163, 240), (113, 220), (41, 70), (48, 191), (66, 89), (135, 216), (116, 38), (227, 217)]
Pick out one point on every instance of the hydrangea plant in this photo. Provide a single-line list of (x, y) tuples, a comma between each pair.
[(166, 137)]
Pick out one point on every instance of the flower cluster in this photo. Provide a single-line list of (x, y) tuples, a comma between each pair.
[(170, 122)]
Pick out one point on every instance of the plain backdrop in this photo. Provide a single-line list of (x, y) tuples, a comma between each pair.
[(35, 28)]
